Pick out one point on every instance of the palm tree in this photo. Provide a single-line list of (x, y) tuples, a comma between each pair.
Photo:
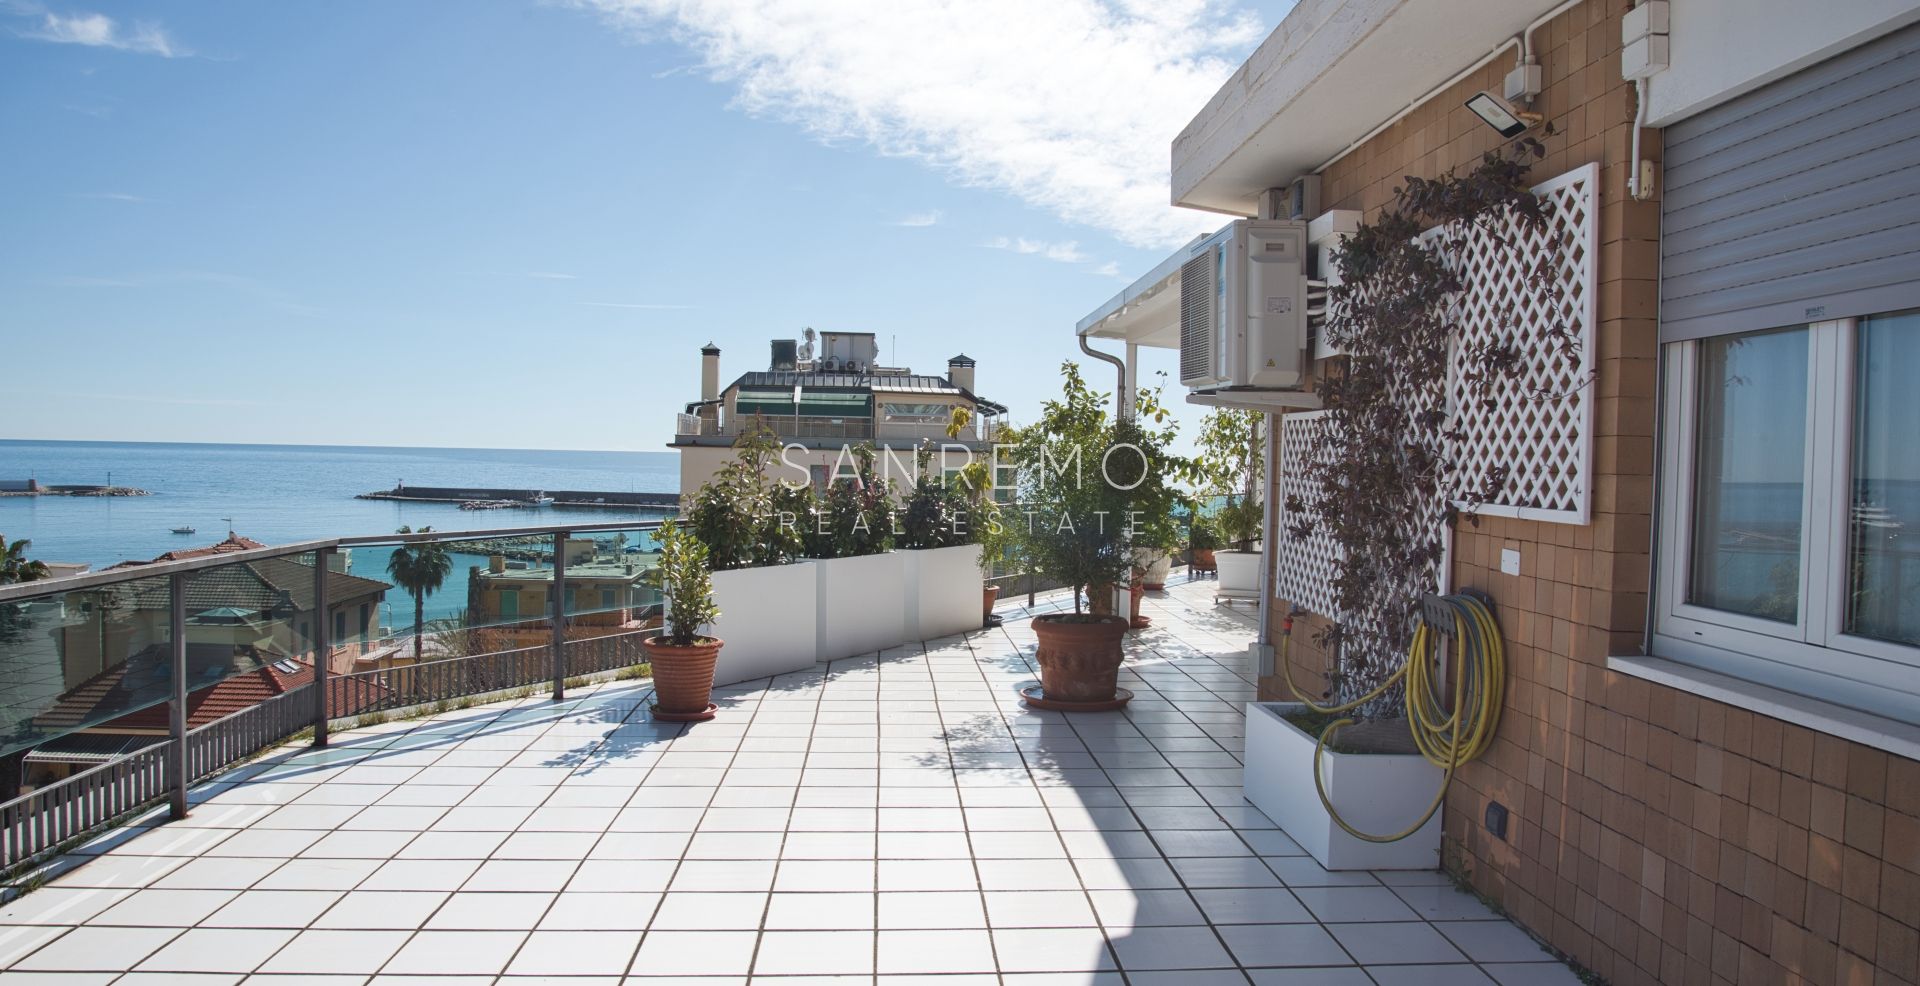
[(15, 566), (419, 568)]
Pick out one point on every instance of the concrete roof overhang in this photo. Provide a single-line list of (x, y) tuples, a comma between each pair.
[(1332, 72)]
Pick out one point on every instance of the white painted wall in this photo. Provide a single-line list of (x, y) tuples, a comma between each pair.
[(1723, 48)]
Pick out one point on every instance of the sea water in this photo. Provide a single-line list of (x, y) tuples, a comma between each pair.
[(278, 494)]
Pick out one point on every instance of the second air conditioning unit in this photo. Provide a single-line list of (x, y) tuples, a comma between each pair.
[(1243, 308)]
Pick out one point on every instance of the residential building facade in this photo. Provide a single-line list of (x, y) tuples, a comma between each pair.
[(819, 403)]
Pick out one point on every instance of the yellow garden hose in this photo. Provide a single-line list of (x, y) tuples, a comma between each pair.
[(1446, 739)]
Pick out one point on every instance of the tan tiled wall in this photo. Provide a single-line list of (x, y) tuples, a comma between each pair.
[(1655, 837)]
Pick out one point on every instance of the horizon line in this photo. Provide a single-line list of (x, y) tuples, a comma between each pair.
[(330, 445)]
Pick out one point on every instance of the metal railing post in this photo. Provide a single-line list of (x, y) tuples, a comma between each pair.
[(559, 615), (322, 642), (177, 711)]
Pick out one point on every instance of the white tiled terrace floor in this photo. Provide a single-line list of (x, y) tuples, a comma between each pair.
[(888, 820)]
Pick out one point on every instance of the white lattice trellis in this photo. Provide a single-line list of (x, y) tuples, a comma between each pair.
[(1528, 439), (1304, 568), (1536, 428)]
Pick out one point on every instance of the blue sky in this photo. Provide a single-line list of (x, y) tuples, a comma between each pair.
[(513, 224)]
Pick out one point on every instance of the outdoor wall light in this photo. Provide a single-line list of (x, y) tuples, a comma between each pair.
[(1501, 115)]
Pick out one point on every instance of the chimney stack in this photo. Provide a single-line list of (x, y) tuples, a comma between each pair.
[(709, 372), (496, 564), (960, 371)]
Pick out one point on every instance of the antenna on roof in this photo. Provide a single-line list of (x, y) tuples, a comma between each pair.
[(229, 521)]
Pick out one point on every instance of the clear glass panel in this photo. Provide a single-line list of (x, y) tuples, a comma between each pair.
[(1883, 548), (75, 660), (1750, 474)]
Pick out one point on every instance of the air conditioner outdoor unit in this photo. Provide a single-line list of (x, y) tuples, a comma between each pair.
[(1243, 308)]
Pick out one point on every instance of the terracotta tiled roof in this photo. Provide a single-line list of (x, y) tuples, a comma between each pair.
[(260, 585), (137, 682), (233, 543)]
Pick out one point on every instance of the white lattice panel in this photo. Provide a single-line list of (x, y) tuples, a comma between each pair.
[(1304, 566), (1526, 439)]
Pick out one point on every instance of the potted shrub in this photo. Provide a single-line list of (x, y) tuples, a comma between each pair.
[(980, 518), (683, 657), (861, 587), (753, 525), (1203, 539), (1155, 531), (1232, 464), (1080, 534)]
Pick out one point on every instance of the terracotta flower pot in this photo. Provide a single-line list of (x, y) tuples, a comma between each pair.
[(1136, 592), (988, 593), (1203, 560), (682, 677), (1079, 659)]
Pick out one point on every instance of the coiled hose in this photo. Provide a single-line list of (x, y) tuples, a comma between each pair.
[(1446, 739)]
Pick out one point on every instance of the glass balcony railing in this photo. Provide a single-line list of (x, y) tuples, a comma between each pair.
[(183, 667)]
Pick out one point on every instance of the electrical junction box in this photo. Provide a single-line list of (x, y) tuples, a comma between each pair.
[(1524, 83), (1645, 57), (1644, 49), (1651, 17)]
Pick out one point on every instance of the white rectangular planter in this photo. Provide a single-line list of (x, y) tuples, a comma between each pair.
[(1239, 573), (942, 591), (767, 618), (1376, 793), (861, 606)]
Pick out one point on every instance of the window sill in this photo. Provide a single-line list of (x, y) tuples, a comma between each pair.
[(1835, 720)]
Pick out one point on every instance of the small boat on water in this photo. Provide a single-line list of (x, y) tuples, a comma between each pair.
[(183, 530)]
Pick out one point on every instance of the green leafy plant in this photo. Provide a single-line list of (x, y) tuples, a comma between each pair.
[(1085, 483), (420, 569), (743, 516), (15, 566), (1232, 464), (684, 577), (855, 517), (1203, 535)]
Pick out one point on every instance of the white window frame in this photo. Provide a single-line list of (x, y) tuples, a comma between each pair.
[(1813, 656)]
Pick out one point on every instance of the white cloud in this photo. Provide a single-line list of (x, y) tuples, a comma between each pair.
[(931, 217), (110, 196), (1109, 269), (1069, 105), (1065, 251), (101, 31)]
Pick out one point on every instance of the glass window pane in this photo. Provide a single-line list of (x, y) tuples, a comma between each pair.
[(1883, 550), (1749, 474)]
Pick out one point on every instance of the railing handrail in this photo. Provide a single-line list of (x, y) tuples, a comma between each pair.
[(27, 591)]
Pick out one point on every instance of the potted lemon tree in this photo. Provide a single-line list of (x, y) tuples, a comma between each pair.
[(683, 657), (1085, 483)]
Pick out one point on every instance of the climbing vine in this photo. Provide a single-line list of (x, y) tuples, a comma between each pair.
[(1381, 481)]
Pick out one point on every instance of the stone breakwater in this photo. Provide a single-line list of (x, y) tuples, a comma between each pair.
[(79, 491)]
